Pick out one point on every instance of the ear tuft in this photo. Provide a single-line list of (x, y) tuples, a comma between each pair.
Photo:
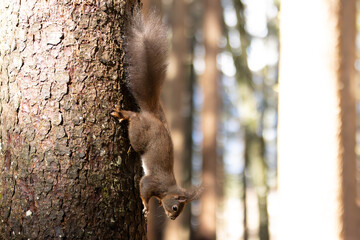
[(181, 198), (194, 193)]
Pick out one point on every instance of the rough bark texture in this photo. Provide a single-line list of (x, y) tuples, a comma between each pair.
[(66, 167)]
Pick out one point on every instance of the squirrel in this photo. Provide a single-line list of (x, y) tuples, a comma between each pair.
[(149, 134)]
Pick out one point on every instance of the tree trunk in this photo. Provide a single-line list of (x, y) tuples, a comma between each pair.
[(66, 168), (317, 127), (177, 106), (209, 85), (151, 5), (256, 165)]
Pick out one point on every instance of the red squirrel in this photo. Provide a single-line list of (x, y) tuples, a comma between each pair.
[(146, 54)]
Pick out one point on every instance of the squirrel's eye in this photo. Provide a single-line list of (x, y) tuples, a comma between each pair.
[(175, 208)]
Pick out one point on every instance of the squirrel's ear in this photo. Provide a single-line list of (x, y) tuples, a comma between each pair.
[(181, 198), (194, 194)]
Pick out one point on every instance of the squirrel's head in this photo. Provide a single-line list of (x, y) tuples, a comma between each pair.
[(174, 203)]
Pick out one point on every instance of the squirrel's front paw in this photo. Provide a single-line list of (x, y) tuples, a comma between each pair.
[(145, 212)]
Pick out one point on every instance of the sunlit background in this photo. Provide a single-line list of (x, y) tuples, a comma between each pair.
[(245, 95)]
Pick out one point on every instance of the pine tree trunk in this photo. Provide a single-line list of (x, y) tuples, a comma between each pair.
[(177, 105), (212, 33), (66, 167), (256, 165)]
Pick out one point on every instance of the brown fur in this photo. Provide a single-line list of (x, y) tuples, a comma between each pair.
[(146, 54)]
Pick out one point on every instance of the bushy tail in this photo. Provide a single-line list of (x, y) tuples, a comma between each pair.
[(146, 53)]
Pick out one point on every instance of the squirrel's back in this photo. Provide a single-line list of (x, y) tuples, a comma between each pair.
[(146, 53)]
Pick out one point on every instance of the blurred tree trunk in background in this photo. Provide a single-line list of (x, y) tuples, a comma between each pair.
[(255, 163), (177, 105), (244, 78), (150, 5), (66, 168), (209, 84), (316, 145)]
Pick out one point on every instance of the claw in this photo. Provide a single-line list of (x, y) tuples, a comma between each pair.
[(117, 114), (145, 212), (145, 209), (117, 108)]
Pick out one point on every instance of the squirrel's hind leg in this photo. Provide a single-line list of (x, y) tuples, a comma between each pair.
[(138, 128)]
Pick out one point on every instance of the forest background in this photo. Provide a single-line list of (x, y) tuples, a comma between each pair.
[(261, 97), (250, 199)]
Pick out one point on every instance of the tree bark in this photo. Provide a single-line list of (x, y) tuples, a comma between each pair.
[(317, 121), (66, 168), (209, 85)]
